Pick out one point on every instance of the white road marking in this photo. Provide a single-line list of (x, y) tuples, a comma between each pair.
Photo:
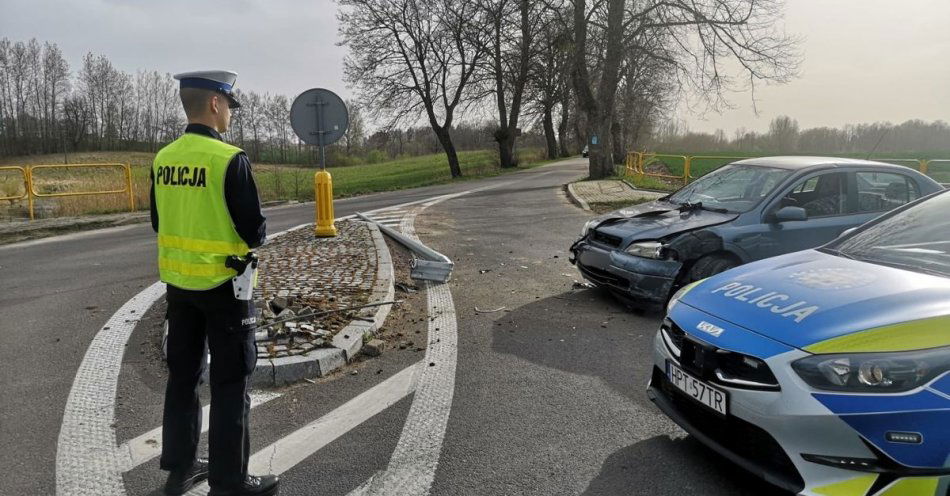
[(292, 449), (149, 445), (86, 460), (411, 468)]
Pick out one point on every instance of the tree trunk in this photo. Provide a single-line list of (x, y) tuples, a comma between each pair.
[(506, 148), (549, 132), (579, 140), (601, 162), (598, 109), (445, 139), (616, 136), (562, 129)]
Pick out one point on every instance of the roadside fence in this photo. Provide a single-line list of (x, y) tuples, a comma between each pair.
[(685, 168), (31, 176)]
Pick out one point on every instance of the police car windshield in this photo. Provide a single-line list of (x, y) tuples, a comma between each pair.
[(736, 188), (916, 239)]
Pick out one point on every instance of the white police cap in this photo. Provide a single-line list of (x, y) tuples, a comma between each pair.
[(220, 81)]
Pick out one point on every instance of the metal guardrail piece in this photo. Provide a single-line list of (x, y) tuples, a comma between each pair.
[(36, 194), (26, 183), (431, 266)]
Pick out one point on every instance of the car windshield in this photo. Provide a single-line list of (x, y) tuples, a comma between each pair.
[(736, 188), (916, 239)]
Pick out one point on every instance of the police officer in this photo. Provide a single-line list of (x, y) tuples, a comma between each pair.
[(205, 208)]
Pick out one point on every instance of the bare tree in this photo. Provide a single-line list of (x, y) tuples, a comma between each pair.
[(512, 52), (548, 84), (356, 131), (413, 57), (703, 35), (783, 134)]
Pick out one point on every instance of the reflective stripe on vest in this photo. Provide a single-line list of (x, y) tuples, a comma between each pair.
[(195, 230)]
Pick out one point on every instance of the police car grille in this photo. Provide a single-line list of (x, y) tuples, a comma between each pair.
[(674, 332), (728, 368), (747, 369)]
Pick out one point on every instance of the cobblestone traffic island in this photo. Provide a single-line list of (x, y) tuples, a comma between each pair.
[(301, 274)]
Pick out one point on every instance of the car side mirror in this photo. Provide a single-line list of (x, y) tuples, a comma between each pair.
[(786, 214), (846, 232)]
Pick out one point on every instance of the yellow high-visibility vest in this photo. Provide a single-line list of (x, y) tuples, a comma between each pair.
[(195, 230)]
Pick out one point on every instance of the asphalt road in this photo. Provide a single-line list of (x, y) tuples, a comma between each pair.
[(549, 391)]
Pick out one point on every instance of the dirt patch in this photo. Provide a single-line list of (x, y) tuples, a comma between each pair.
[(406, 327)]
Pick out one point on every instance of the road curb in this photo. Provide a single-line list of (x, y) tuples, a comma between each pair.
[(645, 190), (575, 198), (347, 342)]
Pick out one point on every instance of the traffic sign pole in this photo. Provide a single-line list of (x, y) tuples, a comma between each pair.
[(319, 117)]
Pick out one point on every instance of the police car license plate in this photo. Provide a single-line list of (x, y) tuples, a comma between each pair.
[(709, 396)]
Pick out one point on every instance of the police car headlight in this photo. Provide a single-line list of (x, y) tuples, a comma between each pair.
[(873, 372), (646, 249)]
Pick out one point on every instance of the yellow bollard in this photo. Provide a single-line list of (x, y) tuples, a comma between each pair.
[(323, 196)]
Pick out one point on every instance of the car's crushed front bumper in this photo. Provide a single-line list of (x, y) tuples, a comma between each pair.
[(787, 436), (645, 281)]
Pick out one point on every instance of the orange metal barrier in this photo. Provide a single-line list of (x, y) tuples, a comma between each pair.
[(36, 194), (26, 183), (636, 160)]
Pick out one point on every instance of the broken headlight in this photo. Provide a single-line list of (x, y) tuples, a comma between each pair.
[(873, 372), (646, 249), (588, 226)]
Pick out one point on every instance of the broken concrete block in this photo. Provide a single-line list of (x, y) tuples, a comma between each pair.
[(374, 347)]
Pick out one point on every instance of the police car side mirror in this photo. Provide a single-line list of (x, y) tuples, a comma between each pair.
[(786, 214)]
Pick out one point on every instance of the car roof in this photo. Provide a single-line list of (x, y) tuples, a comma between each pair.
[(796, 162)]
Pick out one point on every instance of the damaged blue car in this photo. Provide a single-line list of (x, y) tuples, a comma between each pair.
[(741, 212)]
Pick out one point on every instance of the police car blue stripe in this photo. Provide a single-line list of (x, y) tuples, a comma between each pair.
[(844, 404), (933, 452), (942, 384)]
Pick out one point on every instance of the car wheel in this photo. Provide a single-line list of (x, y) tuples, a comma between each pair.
[(709, 266)]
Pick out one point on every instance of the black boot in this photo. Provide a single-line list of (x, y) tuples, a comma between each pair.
[(180, 481), (266, 485)]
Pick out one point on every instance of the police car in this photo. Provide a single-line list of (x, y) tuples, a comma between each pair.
[(825, 371)]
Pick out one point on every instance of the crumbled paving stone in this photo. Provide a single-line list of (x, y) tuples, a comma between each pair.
[(302, 274), (374, 347)]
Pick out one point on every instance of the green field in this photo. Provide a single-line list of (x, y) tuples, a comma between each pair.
[(274, 181)]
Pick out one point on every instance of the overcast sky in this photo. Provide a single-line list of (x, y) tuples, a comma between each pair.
[(865, 60)]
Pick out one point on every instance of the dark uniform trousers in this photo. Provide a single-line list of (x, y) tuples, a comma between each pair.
[(227, 323)]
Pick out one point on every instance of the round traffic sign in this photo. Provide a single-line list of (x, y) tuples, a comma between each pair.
[(319, 117)]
